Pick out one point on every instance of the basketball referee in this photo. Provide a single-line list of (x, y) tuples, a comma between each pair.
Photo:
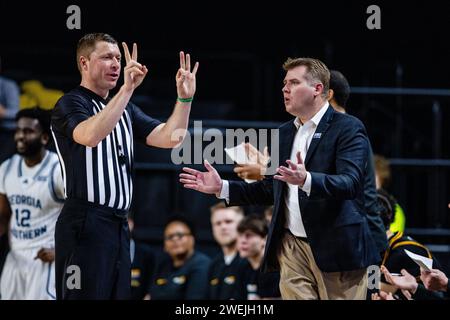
[(94, 136)]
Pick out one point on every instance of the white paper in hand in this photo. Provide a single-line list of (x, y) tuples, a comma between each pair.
[(238, 155), (424, 262)]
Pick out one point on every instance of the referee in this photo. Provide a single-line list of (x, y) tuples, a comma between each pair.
[(94, 136)]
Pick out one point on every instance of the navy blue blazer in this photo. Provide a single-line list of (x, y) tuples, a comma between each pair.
[(334, 214)]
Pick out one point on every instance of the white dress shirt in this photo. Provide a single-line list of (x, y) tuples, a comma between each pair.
[(301, 143)]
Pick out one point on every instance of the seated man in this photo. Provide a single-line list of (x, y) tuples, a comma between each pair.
[(225, 266), (253, 284), (395, 257), (184, 274), (142, 264), (382, 180), (9, 101)]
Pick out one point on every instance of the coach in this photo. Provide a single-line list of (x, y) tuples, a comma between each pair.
[(319, 237)]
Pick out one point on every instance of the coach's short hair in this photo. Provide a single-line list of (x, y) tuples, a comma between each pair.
[(316, 71), (87, 44)]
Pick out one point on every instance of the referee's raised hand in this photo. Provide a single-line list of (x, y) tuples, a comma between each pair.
[(134, 72), (185, 78)]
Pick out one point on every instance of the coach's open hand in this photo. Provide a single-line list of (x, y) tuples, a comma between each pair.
[(295, 174), (134, 72), (207, 182), (185, 78)]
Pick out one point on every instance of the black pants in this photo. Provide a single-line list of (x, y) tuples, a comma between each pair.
[(92, 252)]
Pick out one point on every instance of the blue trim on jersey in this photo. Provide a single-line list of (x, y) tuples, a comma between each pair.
[(8, 166), (19, 168), (51, 185), (44, 164), (48, 281)]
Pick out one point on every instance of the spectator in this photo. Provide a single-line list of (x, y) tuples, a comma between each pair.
[(142, 265), (255, 285), (9, 101), (382, 180), (184, 275), (395, 259), (225, 266)]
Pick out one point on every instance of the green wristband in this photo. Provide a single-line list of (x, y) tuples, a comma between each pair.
[(185, 99)]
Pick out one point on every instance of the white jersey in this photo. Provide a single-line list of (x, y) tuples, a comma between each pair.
[(36, 198)]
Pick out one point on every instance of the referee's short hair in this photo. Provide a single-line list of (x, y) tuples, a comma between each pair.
[(87, 44), (43, 117)]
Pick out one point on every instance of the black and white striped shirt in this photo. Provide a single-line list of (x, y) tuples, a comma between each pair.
[(102, 174)]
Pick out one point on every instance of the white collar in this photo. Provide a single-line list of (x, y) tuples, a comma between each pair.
[(316, 118), (228, 259)]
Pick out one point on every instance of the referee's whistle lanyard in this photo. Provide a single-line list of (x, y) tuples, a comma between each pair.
[(121, 156)]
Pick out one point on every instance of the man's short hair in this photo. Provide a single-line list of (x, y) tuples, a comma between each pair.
[(387, 204), (181, 219), (382, 169), (340, 87), (43, 117), (86, 45), (221, 205), (316, 71), (254, 223)]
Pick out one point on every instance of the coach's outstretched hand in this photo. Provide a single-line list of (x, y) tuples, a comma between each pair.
[(134, 72), (206, 182), (185, 78)]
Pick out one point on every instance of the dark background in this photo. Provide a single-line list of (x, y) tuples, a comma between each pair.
[(241, 46)]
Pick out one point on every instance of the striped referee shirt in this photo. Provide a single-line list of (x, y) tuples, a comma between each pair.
[(101, 174)]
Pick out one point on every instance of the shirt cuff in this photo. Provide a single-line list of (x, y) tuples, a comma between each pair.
[(307, 185), (225, 192)]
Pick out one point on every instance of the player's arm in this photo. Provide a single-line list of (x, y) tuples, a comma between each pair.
[(5, 214), (93, 130), (171, 133)]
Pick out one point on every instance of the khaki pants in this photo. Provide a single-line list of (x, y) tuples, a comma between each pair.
[(301, 279)]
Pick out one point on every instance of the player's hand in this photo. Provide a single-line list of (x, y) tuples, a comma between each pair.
[(46, 255), (207, 182), (134, 72), (185, 79)]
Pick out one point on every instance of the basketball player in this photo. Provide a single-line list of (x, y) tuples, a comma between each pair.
[(31, 197)]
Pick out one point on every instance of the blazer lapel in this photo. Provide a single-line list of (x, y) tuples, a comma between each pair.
[(286, 140), (318, 134)]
